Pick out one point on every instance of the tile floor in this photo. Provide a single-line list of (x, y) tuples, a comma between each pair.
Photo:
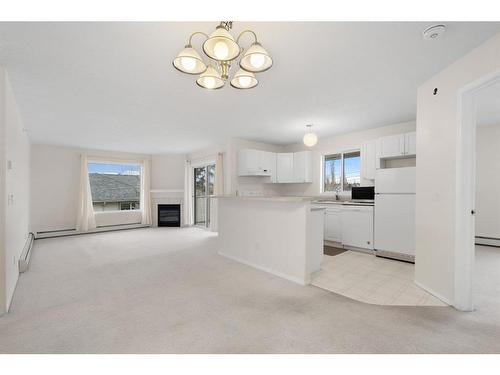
[(370, 279)]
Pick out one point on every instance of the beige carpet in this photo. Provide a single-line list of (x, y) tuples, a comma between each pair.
[(167, 291)]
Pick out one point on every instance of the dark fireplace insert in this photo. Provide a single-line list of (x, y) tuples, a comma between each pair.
[(169, 215)]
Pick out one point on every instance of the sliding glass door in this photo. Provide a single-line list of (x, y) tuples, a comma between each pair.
[(204, 178)]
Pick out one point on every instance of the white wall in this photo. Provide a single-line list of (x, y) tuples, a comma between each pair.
[(55, 178), (167, 171), (339, 143), (15, 181), (437, 147), (488, 181), (3, 172)]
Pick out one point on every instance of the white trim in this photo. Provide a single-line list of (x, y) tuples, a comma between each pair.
[(465, 190), (430, 291), (265, 269)]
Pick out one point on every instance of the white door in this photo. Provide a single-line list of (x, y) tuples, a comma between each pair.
[(391, 146), (411, 143), (284, 167), (357, 227), (302, 166), (333, 225), (395, 223)]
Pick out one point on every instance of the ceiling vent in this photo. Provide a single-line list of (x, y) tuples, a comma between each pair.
[(434, 32)]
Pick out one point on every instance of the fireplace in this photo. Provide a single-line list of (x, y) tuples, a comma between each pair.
[(169, 215)]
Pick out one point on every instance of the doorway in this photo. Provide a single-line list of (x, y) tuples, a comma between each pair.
[(203, 192), (469, 98)]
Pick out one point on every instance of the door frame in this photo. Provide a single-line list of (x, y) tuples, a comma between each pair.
[(465, 190)]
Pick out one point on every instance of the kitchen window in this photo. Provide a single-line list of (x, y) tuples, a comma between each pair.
[(341, 171)]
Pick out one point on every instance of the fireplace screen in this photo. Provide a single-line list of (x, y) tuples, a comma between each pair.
[(169, 215)]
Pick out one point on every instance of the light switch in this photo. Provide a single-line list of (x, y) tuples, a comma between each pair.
[(10, 199), (9, 164)]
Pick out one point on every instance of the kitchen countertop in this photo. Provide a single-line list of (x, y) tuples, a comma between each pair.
[(268, 198)]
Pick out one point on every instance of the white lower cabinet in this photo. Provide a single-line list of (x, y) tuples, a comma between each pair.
[(357, 226), (333, 224)]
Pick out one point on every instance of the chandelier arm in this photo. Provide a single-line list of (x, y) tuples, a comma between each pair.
[(196, 33), (244, 32)]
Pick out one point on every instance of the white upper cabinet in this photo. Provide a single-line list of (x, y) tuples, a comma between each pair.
[(368, 162), (256, 163), (391, 146), (284, 167), (411, 143), (396, 146), (268, 162), (288, 167), (302, 163)]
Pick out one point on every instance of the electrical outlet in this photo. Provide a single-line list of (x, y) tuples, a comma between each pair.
[(9, 164), (10, 199)]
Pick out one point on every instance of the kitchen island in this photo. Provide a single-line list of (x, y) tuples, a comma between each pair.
[(279, 235)]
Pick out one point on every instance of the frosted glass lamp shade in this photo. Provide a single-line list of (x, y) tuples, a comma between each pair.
[(256, 59), (189, 61), (310, 139), (244, 80), (210, 79), (221, 45)]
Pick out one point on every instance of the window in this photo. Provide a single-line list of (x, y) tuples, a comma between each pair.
[(115, 187), (341, 171)]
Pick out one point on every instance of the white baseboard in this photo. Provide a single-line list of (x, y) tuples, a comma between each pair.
[(430, 291), (265, 269)]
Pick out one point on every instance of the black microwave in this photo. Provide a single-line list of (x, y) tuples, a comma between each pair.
[(363, 193)]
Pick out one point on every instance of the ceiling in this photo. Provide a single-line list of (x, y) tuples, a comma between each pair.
[(112, 85), (488, 105)]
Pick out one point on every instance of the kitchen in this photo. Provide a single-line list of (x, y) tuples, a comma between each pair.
[(368, 220)]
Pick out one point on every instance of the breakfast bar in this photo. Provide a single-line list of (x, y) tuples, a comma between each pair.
[(279, 235)]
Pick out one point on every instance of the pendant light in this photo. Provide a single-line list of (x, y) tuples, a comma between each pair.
[(310, 138), (221, 45), (189, 61), (210, 79), (256, 59), (244, 80)]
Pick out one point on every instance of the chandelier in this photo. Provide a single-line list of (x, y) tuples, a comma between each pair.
[(221, 50)]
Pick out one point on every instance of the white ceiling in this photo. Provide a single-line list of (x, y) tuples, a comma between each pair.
[(112, 85), (488, 105)]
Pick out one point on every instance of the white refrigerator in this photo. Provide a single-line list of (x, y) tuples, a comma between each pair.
[(395, 213)]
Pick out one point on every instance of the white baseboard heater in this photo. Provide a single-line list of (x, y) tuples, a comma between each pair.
[(24, 260), (488, 241)]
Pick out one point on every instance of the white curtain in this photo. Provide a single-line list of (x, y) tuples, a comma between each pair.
[(188, 194), (218, 190), (86, 219), (146, 192)]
